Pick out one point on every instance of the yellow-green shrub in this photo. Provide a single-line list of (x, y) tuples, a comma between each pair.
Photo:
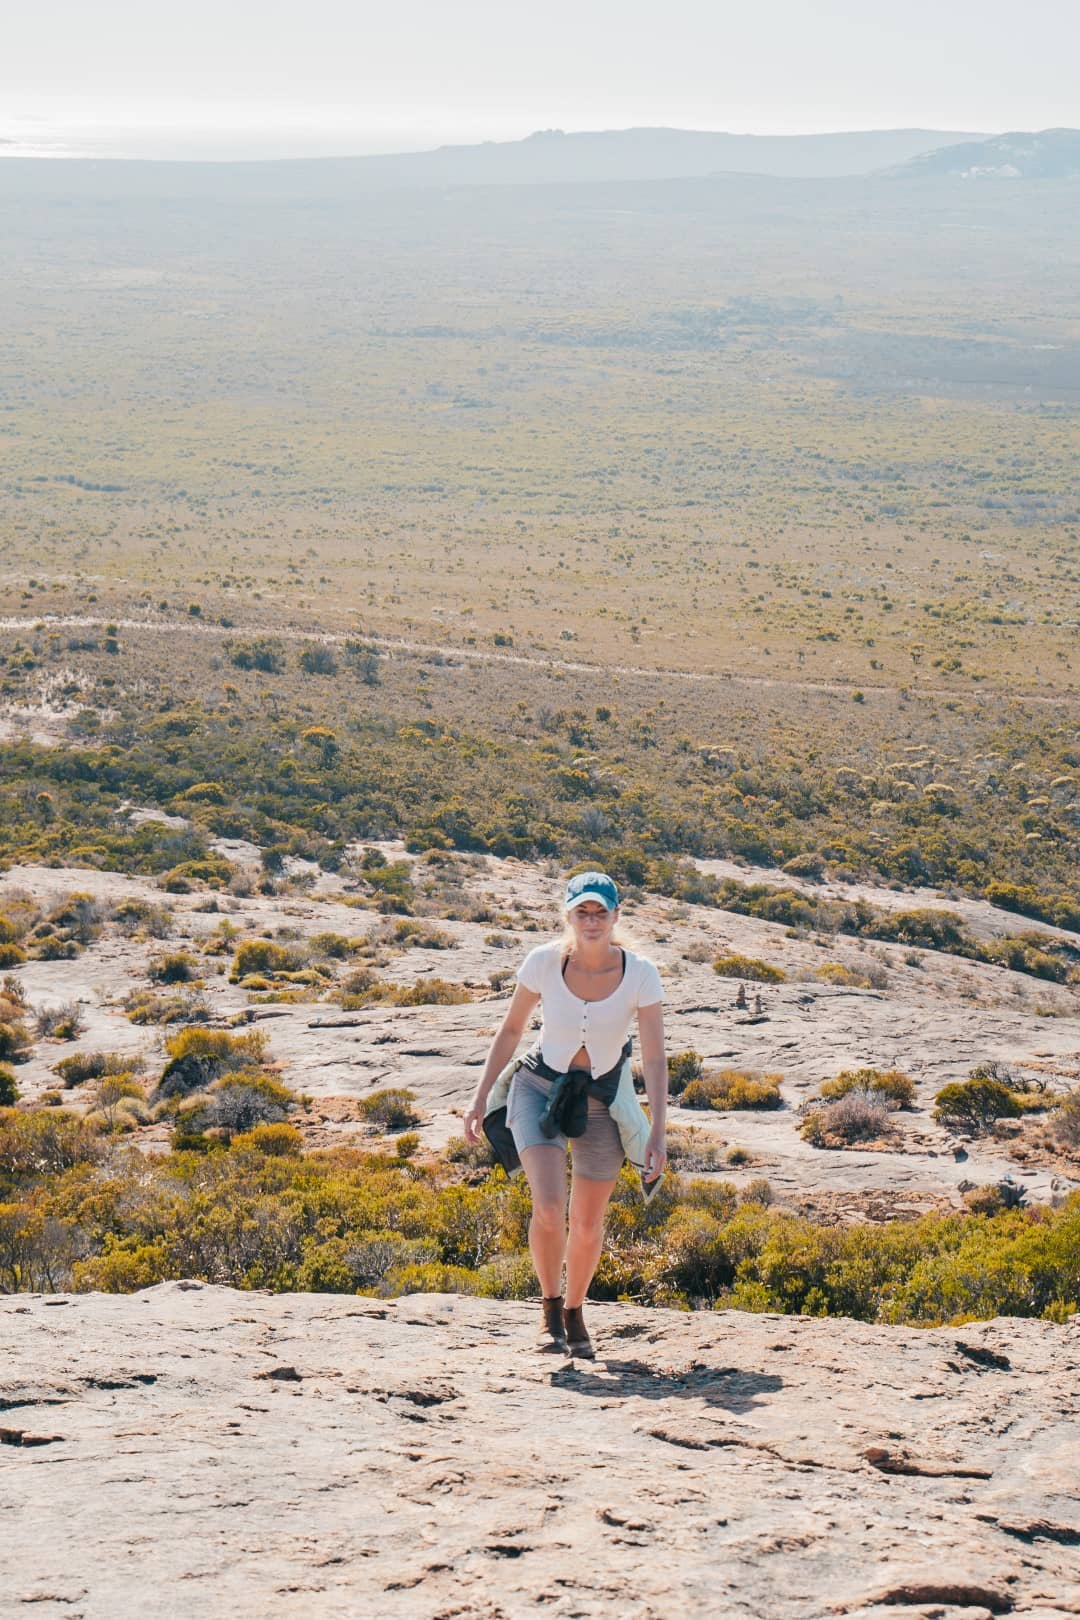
[(392, 1107), (263, 956), (732, 1088), (279, 1140), (195, 1041), (748, 967), (891, 1086)]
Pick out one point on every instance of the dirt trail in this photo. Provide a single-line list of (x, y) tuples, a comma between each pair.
[(477, 655)]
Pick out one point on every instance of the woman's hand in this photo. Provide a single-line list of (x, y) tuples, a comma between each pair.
[(655, 1152), (473, 1120)]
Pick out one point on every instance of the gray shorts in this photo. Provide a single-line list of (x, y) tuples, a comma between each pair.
[(597, 1155)]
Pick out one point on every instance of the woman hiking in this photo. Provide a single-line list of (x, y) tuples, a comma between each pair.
[(575, 1084)]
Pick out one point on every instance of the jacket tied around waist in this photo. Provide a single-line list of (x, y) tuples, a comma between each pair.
[(567, 1109)]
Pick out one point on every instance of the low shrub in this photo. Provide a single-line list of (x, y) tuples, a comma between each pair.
[(1065, 1122), (995, 1196), (891, 1087), (318, 658), (975, 1105), (1028, 953), (692, 1150), (384, 993), (757, 1191), (11, 955), (748, 967), (177, 967), (43, 1143), (242, 1050), (80, 917), (277, 1141), (144, 1007), (143, 917), (412, 932), (262, 653), (682, 1068), (115, 1095), (211, 871), (333, 945), (199, 1057), (874, 978), (474, 1155), (237, 1103), (730, 1089), (811, 866), (203, 793), (61, 1023), (82, 1066), (391, 1108), (12, 996), (855, 1117), (9, 1091), (261, 956), (14, 1042)]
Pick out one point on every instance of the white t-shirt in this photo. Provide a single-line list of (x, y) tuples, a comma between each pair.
[(601, 1027)]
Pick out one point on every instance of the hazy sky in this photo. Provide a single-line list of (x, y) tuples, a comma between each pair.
[(269, 77)]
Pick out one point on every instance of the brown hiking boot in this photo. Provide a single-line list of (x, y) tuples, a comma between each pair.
[(578, 1342), (553, 1338)]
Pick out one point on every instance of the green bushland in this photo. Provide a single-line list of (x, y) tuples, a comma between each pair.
[(78, 1210), (621, 795), (9, 1090)]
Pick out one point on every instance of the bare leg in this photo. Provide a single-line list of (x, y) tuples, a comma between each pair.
[(588, 1201), (545, 1168)]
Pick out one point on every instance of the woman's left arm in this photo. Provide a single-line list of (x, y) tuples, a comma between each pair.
[(654, 1069)]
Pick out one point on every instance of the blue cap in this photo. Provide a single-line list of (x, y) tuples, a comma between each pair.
[(591, 886)]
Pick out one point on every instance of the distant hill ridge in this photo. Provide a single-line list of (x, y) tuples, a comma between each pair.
[(1048, 154), (552, 155), (555, 157)]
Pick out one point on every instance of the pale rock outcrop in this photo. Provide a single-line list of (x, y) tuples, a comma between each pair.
[(194, 1451)]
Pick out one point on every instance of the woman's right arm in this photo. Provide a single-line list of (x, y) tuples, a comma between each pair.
[(502, 1050)]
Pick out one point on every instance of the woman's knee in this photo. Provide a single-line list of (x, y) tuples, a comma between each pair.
[(587, 1225), (549, 1214)]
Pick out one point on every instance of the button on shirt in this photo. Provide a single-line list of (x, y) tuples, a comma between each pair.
[(601, 1027)]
